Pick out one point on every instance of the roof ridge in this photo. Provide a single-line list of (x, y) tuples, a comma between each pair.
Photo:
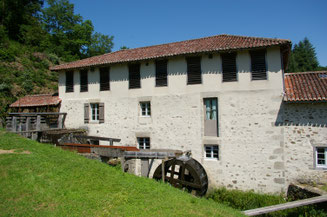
[(300, 73)]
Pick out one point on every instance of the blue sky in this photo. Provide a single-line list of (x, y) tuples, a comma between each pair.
[(143, 23)]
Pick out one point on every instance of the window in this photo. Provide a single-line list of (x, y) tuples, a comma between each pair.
[(321, 157), (104, 78), (84, 81), (210, 116), (161, 73), (94, 111), (69, 82), (145, 108), (143, 142), (212, 151), (258, 65), (229, 67), (134, 76), (194, 70)]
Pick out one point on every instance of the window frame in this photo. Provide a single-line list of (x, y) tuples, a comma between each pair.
[(104, 74), (147, 107), (69, 87), (83, 74), (97, 112), (188, 71), (266, 66), (316, 158), (134, 75), (212, 150), (161, 77), (145, 142)]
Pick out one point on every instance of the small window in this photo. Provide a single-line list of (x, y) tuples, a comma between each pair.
[(143, 142), (212, 151), (321, 157), (161, 73), (84, 80), (134, 76), (229, 67), (104, 78), (194, 70), (69, 81), (258, 65), (94, 111), (145, 108)]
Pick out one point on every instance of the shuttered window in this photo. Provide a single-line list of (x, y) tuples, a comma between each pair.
[(194, 70), (69, 82), (84, 81), (104, 78), (161, 73), (258, 65), (229, 67), (134, 76), (94, 112)]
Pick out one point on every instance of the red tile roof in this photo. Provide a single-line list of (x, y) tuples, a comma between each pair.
[(214, 43), (37, 100), (306, 87)]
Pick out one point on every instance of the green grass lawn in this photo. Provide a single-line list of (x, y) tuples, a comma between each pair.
[(53, 182)]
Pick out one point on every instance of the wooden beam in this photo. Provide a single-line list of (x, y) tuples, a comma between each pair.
[(98, 138), (293, 204)]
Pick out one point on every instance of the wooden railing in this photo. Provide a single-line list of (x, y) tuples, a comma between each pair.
[(35, 122)]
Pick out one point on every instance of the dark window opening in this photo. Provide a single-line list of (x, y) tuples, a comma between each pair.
[(84, 80), (161, 73), (134, 76), (104, 78), (194, 70), (69, 81), (229, 67), (258, 65)]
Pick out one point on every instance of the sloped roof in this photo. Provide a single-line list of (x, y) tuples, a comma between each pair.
[(208, 44), (37, 100), (306, 87)]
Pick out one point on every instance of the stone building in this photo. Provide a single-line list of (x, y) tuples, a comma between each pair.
[(222, 97)]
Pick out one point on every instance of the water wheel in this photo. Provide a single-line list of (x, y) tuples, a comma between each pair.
[(184, 173)]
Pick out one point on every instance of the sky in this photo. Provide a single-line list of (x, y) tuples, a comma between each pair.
[(142, 23)]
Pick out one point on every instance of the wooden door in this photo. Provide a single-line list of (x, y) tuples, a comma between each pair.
[(210, 116)]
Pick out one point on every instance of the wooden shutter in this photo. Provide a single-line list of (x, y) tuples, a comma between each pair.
[(84, 81), (69, 81), (258, 65), (161, 73), (101, 113), (134, 76), (104, 78), (194, 70), (86, 113), (229, 67)]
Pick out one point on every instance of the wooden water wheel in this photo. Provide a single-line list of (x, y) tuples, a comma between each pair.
[(184, 173)]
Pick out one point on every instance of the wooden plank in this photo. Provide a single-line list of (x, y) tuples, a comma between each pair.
[(98, 138), (14, 124), (293, 204), (37, 113), (148, 155), (126, 148), (38, 122)]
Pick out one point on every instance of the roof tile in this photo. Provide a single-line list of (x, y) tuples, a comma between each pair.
[(37, 100)]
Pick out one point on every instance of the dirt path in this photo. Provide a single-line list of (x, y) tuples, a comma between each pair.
[(13, 151)]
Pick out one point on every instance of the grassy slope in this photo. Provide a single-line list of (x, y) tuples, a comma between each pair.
[(54, 182)]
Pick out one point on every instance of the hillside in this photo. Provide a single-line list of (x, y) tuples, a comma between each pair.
[(42, 180), (24, 71)]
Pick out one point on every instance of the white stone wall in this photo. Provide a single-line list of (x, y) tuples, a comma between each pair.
[(252, 147)]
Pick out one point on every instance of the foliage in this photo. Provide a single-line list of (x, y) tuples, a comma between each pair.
[(246, 200), (52, 182), (123, 48), (100, 44), (303, 57)]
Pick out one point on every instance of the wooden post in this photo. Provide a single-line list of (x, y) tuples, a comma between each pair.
[(28, 125), (144, 167), (60, 124), (14, 124), (122, 161), (163, 170), (38, 122)]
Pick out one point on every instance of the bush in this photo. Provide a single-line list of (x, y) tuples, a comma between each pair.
[(246, 200)]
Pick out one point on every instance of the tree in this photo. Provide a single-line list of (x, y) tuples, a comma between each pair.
[(100, 44), (124, 48), (303, 57), (15, 13)]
